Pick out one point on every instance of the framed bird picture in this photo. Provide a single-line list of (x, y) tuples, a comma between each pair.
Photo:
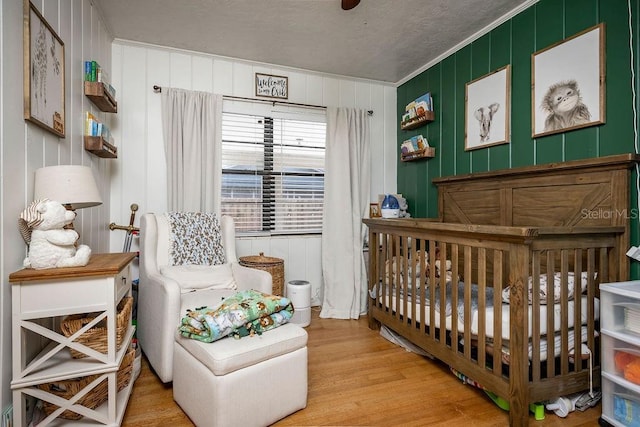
[(567, 81)]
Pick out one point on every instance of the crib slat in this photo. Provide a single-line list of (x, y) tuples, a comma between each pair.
[(455, 273), (468, 278), (564, 312), (432, 289), (443, 289), (551, 353), (535, 318), (402, 287), (482, 306), (498, 280), (591, 294), (577, 303)]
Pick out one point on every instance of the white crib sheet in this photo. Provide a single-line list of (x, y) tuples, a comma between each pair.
[(414, 312)]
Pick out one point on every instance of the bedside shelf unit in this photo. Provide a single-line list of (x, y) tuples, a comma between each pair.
[(418, 121), (616, 298), (101, 97), (49, 295), (101, 148)]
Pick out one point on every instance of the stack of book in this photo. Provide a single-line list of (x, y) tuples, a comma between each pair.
[(418, 108), (93, 72), (94, 127)]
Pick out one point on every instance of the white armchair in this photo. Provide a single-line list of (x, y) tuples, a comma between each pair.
[(166, 292)]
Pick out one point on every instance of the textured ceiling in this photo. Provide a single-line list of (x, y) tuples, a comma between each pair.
[(384, 40)]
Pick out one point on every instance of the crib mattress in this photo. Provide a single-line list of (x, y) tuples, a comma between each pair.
[(414, 312)]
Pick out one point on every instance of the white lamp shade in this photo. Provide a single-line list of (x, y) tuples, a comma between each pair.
[(70, 185)]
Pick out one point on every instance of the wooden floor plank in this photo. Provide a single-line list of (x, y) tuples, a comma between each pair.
[(358, 378)]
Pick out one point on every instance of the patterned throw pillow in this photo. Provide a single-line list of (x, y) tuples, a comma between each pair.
[(195, 239)]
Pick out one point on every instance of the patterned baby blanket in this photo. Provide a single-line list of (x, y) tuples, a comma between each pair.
[(245, 313), (195, 239)]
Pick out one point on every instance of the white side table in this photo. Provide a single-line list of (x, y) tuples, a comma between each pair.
[(38, 295)]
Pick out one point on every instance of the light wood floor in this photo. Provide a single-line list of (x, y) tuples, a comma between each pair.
[(357, 378)]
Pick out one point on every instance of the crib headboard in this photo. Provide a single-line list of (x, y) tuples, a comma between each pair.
[(587, 192), (579, 193)]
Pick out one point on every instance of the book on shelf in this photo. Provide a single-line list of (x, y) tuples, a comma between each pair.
[(415, 143), (87, 71), (93, 72), (418, 107), (91, 124), (94, 127), (110, 89)]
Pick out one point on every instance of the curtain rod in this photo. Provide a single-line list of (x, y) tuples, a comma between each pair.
[(158, 89)]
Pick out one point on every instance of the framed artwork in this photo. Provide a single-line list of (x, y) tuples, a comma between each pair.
[(272, 86), (488, 109), (374, 210), (567, 81), (43, 72)]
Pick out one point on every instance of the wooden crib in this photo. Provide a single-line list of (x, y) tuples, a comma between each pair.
[(475, 287)]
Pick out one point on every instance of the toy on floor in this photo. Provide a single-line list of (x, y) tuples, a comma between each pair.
[(536, 408)]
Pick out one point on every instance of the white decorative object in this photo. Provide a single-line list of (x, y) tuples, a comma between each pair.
[(50, 245), (299, 293), (404, 206), (390, 207)]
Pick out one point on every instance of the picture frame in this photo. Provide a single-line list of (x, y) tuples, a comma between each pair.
[(374, 210), (488, 110), (44, 89), (568, 83), (271, 86)]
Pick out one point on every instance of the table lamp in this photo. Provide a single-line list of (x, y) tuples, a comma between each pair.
[(71, 185)]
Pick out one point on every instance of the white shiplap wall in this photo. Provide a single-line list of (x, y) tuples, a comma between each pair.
[(139, 175), (25, 147)]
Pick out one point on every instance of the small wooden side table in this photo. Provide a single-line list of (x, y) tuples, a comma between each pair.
[(53, 294)]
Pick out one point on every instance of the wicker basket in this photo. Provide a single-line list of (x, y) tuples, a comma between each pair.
[(94, 398), (96, 337), (274, 266)]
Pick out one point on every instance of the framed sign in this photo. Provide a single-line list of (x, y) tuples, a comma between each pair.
[(488, 103), (43, 72), (272, 86), (568, 83)]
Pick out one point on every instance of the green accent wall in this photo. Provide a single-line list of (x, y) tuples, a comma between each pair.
[(541, 25)]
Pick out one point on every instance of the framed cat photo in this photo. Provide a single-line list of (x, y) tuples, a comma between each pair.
[(567, 81)]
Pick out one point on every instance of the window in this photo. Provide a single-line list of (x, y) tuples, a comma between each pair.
[(273, 173)]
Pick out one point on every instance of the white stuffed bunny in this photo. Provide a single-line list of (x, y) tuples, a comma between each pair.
[(50, 245)]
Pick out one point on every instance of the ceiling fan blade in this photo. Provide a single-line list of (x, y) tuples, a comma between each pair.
[(349, 4)]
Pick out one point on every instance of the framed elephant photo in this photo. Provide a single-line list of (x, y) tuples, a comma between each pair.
[(487, 110)]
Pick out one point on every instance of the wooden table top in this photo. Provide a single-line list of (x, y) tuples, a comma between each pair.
[(107, 264)]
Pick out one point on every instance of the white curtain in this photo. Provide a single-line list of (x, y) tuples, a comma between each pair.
[(346, 202), (192, 128)]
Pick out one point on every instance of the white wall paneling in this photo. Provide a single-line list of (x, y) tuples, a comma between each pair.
[(25, 147), (140, 175)]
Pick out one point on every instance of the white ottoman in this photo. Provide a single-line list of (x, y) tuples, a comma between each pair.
[(251, 381)]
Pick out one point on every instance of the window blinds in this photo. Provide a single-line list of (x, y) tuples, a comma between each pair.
[(273, 173)]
